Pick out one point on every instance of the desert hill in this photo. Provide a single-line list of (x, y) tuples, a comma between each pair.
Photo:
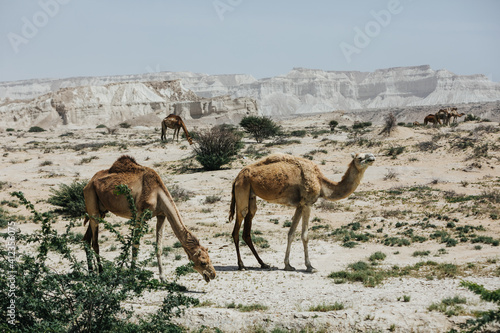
[(92, 100)]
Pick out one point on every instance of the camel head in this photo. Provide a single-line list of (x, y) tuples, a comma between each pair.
[(202, 263), (362, 160)]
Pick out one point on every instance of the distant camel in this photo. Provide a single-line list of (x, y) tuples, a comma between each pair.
[(431, 118), (416, 123), (454, 114), (290, 181), (175, 122), (444, 114), (148, 192)]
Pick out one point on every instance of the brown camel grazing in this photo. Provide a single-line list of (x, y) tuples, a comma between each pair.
[(431, 118), (149, 192), (291, 181), (175, 122), (444, 115)]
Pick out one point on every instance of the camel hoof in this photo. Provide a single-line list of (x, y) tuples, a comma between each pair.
[(289, 268), (242, 268), (265, 266), (311, 269)]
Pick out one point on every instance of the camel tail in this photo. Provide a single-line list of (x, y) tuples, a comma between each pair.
[(233, 205)]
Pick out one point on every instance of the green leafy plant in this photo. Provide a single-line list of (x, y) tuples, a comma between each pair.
[(260, 128), (69, 198), (333, 124), (217, 147), (78, 299), (483, 318)]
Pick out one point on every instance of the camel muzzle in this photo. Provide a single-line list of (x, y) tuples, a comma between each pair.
[(370, 159), (208, 276)]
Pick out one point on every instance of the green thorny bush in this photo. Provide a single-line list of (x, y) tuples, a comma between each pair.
[(76, 299)]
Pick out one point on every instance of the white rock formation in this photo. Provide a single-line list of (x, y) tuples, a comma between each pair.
[(114, 103), (301, 91)]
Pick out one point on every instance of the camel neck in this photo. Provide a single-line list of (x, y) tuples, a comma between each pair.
[(169, 209), (335, 191)]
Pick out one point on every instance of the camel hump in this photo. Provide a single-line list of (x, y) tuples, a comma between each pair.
[(125, 164), (278, 158)]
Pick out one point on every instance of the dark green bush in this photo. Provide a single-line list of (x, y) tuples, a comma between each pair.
[(333, 124), (69, 198), (361, 125), (36, 129), (78, 299), (260, 128), (217, 147), (298, 133)]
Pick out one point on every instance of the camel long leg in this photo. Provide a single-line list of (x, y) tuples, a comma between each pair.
[(305, 237), (163, 131), (236, 237), (160, 226), (295, 222), (92, 209), (247, 227), (88, 239), (95, 241), (176, 131)]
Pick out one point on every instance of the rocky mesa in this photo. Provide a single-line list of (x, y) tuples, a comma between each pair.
[(113, 99), (141, 103)]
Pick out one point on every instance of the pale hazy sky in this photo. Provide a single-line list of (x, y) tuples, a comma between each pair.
[(65, 38)]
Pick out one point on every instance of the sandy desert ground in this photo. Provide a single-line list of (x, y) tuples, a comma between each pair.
[(437, 196)]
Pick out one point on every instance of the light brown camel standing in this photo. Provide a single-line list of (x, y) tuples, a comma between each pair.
[(291, 181), (431, 118), (175, 122), (148, 192), (454, 114)]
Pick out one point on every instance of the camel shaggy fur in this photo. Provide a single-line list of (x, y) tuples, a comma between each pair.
[(291, 181), (149, 192)]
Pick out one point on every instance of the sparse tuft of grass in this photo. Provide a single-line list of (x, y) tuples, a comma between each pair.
[(211, 199), (449, 306), (327, 307), (377, 256), (421, 253), (247, 308)]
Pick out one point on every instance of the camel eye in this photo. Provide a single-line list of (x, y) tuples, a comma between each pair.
[(203, 264)]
